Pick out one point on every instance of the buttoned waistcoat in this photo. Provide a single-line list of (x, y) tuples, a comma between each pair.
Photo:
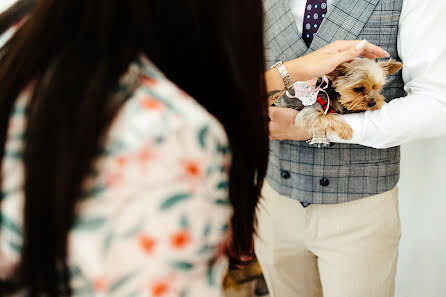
[(342, 172)]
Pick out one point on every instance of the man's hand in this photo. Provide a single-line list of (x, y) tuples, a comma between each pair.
[(282, 125)]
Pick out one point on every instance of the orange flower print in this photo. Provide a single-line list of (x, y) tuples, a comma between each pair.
[(147, 244), (159, 289), (145, 155), (152, 104), (99, 284), (180, 239), (192, 168), (148, 81), (121, 161), (113, 179)]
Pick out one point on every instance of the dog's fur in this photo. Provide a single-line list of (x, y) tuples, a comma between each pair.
[(355, 86)]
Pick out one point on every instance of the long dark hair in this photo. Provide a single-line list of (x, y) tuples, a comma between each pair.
[(74, 52)]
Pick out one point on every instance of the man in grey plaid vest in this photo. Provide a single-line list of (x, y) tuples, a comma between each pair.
[(328, 219)]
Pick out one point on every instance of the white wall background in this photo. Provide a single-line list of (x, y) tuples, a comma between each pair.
[(422, 261)]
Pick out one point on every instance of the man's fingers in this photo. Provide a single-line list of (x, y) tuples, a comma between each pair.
[(349, 50), (347, 55), (370, 56), (361, 46), (371, 49)]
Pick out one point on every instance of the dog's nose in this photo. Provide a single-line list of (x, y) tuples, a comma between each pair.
[(372, 103)]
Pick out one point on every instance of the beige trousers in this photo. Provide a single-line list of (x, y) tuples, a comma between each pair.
[(341, 250)]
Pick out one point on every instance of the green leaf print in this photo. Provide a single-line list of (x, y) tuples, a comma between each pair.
[(134, 294), (17, 155), (180, 265), (207, 249), (114, 148), (159, 140), (207, 230), (211, 273), (93, 192), (202, 136), (18, 136), (89, 223), (19, 110), (222, 202), (224, 149), (9, 224), (116, 285), (15, 247), (133, 231), (75, 272), (9, 193), (173, 200), (84, 290), (215, 169), (184, 222), (223, 185), (107, 243), (224, 228)]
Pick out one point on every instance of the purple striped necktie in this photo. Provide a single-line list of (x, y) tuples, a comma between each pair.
[(315, 12)]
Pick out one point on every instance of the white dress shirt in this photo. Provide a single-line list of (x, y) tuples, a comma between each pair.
[(422, 49)]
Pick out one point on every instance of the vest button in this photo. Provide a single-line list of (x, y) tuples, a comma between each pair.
[(324, 182), (285, 174)]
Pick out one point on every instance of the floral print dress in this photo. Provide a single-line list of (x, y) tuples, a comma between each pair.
[(155, 207)]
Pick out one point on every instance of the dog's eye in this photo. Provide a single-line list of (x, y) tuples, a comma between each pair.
[(359, 89)]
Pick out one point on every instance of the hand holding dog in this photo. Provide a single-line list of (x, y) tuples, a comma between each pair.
[(326, 59), (282, 125), (316, 64)]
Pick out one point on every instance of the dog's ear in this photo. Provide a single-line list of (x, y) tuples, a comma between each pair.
[(341, 70), (391, 66)]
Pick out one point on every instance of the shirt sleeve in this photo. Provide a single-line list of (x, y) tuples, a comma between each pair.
[(166, 235), (422, 113)]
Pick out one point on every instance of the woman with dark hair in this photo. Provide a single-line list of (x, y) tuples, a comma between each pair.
[(115, 182)]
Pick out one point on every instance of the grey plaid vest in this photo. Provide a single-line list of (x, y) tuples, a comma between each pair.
[(343, 172)]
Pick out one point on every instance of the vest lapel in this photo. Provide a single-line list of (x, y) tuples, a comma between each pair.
[(345, 20), (300, 45), (283, 37)]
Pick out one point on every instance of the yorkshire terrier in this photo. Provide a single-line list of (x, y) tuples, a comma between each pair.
[(354, 86)]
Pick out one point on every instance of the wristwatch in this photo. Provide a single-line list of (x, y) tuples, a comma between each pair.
[(284, 74), (319, 140)]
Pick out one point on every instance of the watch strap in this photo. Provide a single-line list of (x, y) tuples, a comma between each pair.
[(284, 74)]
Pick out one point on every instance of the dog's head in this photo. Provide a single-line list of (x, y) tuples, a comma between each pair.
[(361, 82)]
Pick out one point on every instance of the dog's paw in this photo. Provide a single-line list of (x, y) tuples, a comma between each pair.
[(345, 132)]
